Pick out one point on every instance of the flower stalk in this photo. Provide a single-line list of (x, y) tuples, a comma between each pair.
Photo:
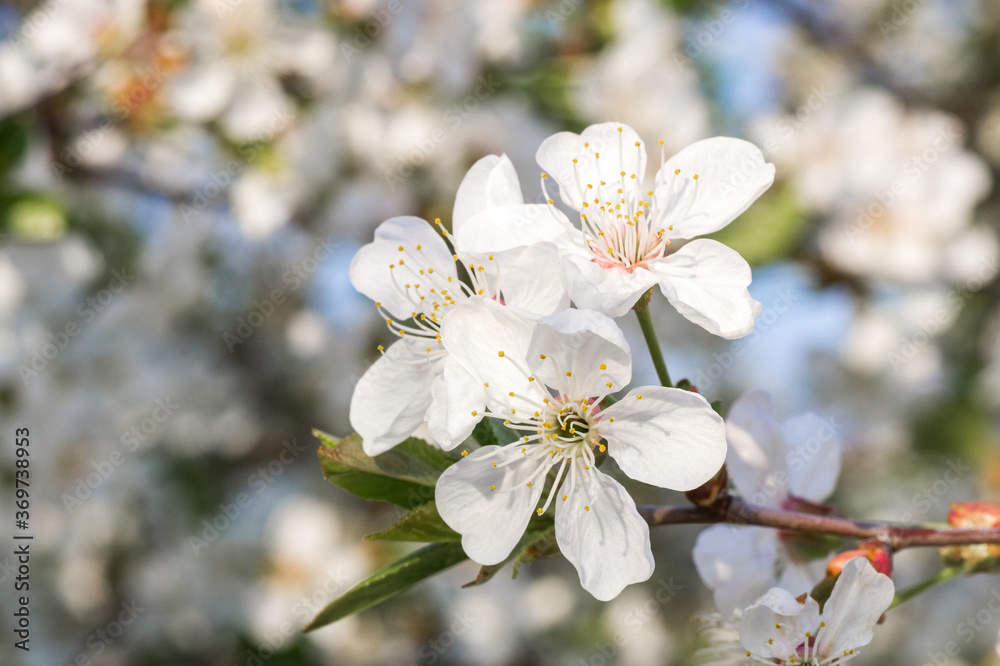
[(649, 333)]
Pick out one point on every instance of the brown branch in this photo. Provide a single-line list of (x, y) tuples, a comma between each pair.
[(738, 512)]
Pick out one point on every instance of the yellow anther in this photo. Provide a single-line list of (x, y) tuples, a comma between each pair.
[(474, 412), (609, 384), (380, 347), (529, 484), (524, 450), (400, 248), (676, 171), (531, 379), (619, 130), (494, 464), (637, 144), (486, 384), (569, 374), (586, 508), (539, 511), (602, 448), (695, 176), (564, 497), (511, 394), (500, 354), (598, 156), (541, 356), (465, 453), (659, 141), (493, 487), (639, 396), (604, 366), (612, 419)]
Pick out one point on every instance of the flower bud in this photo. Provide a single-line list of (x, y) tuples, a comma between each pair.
[(711, 493), (875, 551), (975, 515)]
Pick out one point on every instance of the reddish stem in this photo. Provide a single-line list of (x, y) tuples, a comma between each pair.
[(738, 512)]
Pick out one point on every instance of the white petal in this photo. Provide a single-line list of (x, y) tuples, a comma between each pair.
[(370, 270), (618, 152), (737, 563), (707, 283), (813, 457), (601, 533), (668, 438), (756, 459), (580, 342), (610, 291), (475, 333), (391, 399), (455, 395), (201, 93), (492, 181), (505, 227), (731, 173), (256, 104), (859, 598), (529, 278), (776, 625), (491, 522)]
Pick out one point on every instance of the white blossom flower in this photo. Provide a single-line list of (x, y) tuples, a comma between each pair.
[(623, 246), (239, 50), (769, 464), (410, 273), (546, 380), (778, 629)]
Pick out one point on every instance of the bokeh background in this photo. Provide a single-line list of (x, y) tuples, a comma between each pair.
[(184, 182)]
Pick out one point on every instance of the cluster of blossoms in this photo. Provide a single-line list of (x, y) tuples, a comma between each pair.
[(504, 344)]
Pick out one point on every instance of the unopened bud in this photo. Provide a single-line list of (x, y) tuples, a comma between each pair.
[(711, 493), (876, 552), (974, 515), (977, 515)]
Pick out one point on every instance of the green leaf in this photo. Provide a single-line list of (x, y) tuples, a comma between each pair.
[(13, 143), (422, 524), (394, 579), (404, 476), (413, 460), (484, 433)]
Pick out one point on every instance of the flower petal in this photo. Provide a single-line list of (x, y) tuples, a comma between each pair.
[(756, 459), (491, 342), (707, 283), (529, 278), (667, 437), (617, 152), (391, 399), (731, 173), (737, 563), (491, 522), (370, 270), (505, 227), (586, 344), (601, 533), (776, 625), (813, 456), (611, 291), (859, 598), (455, 396), (492, 181)]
